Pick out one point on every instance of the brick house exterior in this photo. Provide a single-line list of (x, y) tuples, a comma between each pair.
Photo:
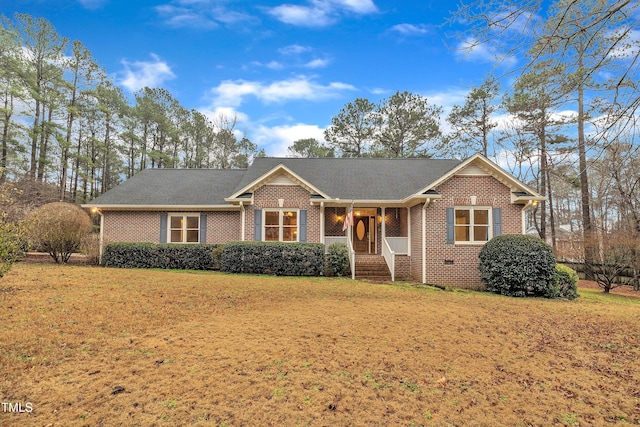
[(428, 218)]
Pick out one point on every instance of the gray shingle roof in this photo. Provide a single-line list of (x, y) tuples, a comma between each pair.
[(180, 187), (358, 178), (344, 178)]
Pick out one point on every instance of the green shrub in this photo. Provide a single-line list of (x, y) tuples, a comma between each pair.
[(338, 260), (58, 228), (274, 258), (517, 265), (150, 255), (216, 257), (565, 284), (11, 246)]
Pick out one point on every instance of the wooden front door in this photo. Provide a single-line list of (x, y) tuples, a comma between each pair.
[(364, 234)]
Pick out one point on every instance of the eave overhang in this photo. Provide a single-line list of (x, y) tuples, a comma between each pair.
[(174, 208)]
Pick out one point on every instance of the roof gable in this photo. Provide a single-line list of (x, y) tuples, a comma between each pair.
[(478, 165), (279, 175)]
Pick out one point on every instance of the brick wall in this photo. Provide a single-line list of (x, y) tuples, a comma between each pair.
[(295, 197), (144, 226), (223, 226), (131, 226), (461, 268)]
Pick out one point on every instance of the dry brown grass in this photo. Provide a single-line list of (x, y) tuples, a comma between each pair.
[(92, 346)]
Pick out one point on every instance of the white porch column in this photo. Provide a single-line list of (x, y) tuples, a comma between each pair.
[(384, 228), (409, 231)]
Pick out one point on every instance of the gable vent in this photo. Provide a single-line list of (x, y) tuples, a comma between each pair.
[(472, 170), (282, 180)]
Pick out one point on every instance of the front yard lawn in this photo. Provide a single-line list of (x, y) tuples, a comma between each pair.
[(99, 346)]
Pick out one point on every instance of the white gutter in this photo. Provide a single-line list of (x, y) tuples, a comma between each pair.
[(322, 225), (162, 207)]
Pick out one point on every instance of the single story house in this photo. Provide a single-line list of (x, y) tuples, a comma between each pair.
[(424, 218)]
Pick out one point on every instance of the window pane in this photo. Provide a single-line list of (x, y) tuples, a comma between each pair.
[(481, 233), (176, 236), (272, 218), (272, 234), (289, 234), (462, 233), (481, 217), (289, 218), (192, 222), (176, 222), (463, 217), (192, 236)]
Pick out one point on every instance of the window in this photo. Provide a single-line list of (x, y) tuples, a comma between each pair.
[(184, 228), (280, 225), (472, 225)]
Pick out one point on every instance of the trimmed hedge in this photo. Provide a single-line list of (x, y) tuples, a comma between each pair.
[(273, 258), (150, 255), (517, 265)]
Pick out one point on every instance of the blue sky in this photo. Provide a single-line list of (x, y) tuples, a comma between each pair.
[(284, 68)]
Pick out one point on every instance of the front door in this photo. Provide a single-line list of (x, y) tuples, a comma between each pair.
[(364, 233)]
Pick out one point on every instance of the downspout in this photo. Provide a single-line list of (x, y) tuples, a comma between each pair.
[(101, 244), (322, 222), (424, 240), (242, 219)]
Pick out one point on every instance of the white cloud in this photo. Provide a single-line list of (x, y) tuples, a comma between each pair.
[(275, 140), (232, 92), (139, 74), (410, 29), (92, 4), (317, 63), (205, 14), (302, 16), (472, 50), (320, 13), (294, 49), (359, 6)]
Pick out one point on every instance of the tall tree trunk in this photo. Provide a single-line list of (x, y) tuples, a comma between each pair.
[(552, 221), (8, 108), (77, 167), (34, 140), (588, 235), (44, 142), (543, 183), (105, 164)]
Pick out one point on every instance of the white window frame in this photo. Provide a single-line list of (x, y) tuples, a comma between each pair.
[(472, 216), (280, 224), (184, 228)]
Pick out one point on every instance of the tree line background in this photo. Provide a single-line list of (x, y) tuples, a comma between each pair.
[(69, 133)]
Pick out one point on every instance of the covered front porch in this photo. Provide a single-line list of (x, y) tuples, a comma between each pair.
[(377, 231)]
